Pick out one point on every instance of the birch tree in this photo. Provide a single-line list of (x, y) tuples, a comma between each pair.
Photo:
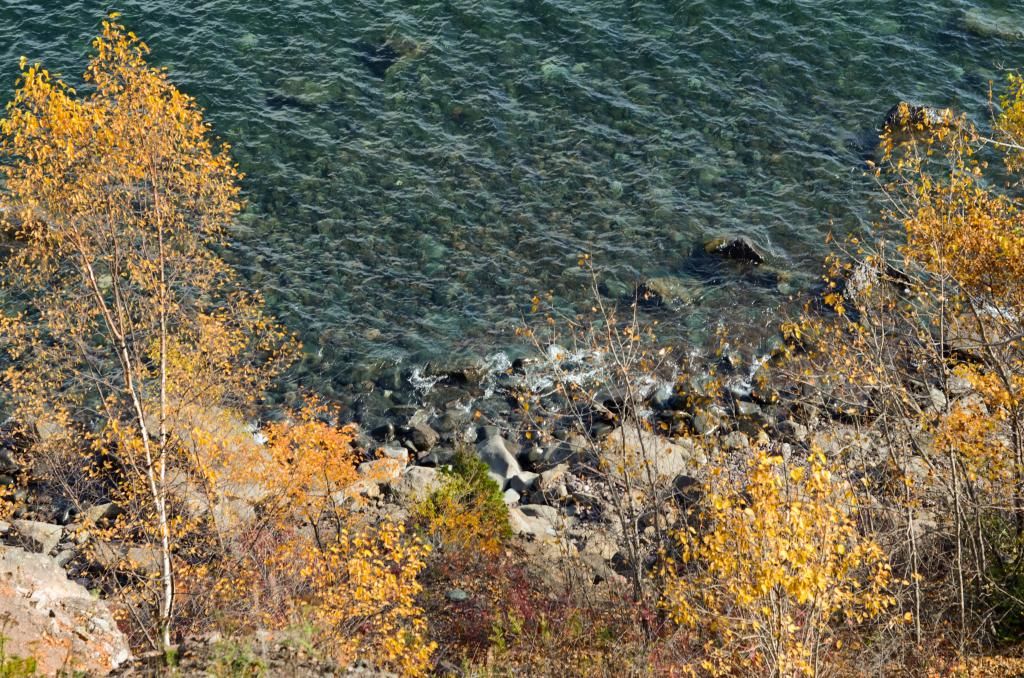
[(122, 320)]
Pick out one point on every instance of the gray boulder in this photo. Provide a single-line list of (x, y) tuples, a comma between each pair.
[(48, 428), (558, 452), (502, 464), (792, 430), (105, 554), (8, 465), (94, 515), (382, 471), (419, 437), (393, 452), (523, 482), (416, 484), (144, 559), (539, 522), (542, 511), (639, 452), (736, 441), (41, 537)]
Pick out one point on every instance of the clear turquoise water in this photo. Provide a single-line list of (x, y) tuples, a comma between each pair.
[(410, 217)]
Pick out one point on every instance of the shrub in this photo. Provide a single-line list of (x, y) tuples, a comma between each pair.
[(306, 560), (359, 596), (921, 347), (468, 511), (12, 666), (234, 659), (778, 561)]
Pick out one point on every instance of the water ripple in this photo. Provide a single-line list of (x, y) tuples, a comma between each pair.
[(508, 136)]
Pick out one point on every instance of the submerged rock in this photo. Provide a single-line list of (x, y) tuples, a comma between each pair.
[(737, 247), (300, 92), (907, 117), (248, 41), (553, 72), (666, 290), (991, 24), (613, 288), (378, 58)]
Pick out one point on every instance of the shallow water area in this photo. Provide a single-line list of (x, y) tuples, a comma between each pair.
[(417, 171)]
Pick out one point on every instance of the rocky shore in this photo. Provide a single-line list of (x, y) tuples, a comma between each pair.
[(559, 491), (559, 476), (560, 463)]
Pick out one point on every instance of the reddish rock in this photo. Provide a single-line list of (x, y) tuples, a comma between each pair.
[(54, 620)]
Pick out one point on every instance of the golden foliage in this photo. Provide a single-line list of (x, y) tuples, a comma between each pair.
[(306, 463), (128, 331), (780, 564), (1010, 122), (984, 667), (132, 339), (307, 562), (360, 596), (129, 323), (137, 339), (924, 356)]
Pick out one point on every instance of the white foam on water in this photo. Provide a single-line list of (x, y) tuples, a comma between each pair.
[(421, 383)]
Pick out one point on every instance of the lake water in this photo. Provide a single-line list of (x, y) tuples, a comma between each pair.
[(417, 171)]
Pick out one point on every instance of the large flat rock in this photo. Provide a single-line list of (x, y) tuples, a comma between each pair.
[(647, 456), (55, 620)]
